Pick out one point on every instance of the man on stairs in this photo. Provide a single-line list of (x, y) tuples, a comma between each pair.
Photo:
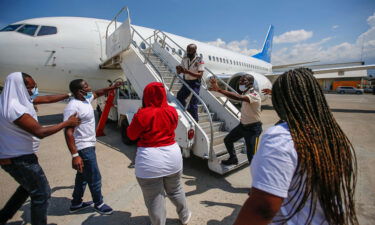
[(192, 68), (250, 126)]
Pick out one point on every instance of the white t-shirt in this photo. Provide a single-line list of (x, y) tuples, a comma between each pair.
[(153, 162), (16, 141), (84, 134), (250, 111), (14, 102), (273, 168)]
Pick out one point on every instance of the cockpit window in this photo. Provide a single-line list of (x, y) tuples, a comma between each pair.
[(28, 29), (11, 27), (47, 30)]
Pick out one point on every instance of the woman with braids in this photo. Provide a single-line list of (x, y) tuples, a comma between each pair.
[(305, 169)]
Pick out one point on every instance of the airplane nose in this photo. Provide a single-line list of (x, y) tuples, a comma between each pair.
[(12, 51)]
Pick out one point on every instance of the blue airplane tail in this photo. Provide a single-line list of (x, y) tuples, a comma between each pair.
[(265, 54)]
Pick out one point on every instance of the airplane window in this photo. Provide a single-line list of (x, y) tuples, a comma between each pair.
[(28, 29), (217, 59), (47, 30), (11, 27), (167, 48), (209, 57), (231, 62), (143, 45), (221, 60), (179, 52)]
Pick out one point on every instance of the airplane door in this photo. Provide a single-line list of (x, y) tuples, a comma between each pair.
[(50, 72)]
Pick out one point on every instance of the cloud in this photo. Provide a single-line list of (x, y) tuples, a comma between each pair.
[(334, 27), (237, 46), (362, 49), (293, 36)]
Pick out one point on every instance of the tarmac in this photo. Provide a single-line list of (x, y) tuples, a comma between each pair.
[(213, 199)]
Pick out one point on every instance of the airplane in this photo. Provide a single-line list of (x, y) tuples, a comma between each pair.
[(56, 50)]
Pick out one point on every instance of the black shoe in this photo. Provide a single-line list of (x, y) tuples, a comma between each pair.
[(230, 161), (81, 206)]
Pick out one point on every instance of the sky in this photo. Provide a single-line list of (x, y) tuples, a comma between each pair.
[(330, 31)]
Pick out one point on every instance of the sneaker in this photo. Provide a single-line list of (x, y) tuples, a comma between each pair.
[(103, 209), (230, 161), (79, 207), (185, 222)]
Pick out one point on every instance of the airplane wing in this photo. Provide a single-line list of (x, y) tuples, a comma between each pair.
[(339, 70), (293, 64)]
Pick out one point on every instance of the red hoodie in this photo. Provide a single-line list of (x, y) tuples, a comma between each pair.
[(154, 124)]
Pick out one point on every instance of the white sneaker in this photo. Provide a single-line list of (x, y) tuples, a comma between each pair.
[(185, 222)]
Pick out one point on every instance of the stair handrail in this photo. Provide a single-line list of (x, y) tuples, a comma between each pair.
[(115, 19), (227, 86), (211, 151), (207, 69), (182, 81)]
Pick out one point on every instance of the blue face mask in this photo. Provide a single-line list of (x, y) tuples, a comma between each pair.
[(35, 92), (242, 87), (88, 95)]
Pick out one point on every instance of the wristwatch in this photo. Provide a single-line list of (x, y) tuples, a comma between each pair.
[(75, 155)]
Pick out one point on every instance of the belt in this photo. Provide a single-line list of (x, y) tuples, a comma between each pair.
[(4, 162), (8, 161), (250, 125)]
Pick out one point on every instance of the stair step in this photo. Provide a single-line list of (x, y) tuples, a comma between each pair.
[(203, 117), (216, 125), (222, 150), (168, 80), (222, 169), (219, 137)]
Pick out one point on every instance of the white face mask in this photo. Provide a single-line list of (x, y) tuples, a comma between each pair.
[(242, 87)]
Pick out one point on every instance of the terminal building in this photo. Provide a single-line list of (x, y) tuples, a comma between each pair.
[(330, 80)]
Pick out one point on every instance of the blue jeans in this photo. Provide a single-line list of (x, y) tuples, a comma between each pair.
[(90, 175), (184, 93), (250, 133), (33, 182)]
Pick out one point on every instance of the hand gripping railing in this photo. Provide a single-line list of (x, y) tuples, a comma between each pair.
[(147, 55)]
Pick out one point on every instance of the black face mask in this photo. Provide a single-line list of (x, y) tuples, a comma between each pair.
[(190, 55)]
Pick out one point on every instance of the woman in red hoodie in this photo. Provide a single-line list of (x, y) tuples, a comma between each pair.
[(158, 164)]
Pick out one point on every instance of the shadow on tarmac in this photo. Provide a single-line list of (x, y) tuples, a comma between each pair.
[(196, 173)]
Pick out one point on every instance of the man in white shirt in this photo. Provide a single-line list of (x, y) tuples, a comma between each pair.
[(20, 134), (81, 143), (250, 126), (192, 68)]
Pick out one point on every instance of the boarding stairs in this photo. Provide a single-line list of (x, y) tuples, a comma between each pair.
[(155, 60)]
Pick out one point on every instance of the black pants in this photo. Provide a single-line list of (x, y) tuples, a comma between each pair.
[(184, 93), (250, 133), (33, 182)]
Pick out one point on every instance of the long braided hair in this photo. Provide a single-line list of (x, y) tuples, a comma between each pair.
[(327, 166)]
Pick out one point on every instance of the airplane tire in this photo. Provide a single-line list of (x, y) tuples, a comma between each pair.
[(124, 137)]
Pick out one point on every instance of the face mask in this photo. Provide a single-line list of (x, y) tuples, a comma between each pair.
[(190, 55), (242, 87), (35, 92), (88, 95)]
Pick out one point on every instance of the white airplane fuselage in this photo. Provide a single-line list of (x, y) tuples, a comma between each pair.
[(78, 48)]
